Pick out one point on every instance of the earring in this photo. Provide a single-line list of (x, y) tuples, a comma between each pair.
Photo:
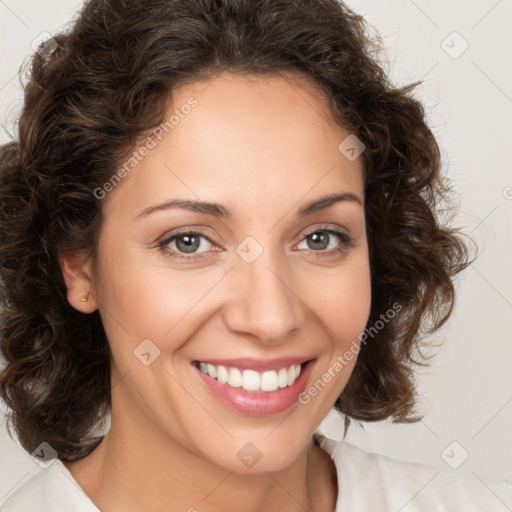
[(83, 299)]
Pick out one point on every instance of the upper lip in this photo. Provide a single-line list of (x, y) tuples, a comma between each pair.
[(258, 365)]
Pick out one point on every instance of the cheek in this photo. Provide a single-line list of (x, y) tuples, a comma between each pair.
[(343, 307), (343, 303), (151, 301)]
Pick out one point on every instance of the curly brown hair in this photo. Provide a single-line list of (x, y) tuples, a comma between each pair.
[(106, 84)]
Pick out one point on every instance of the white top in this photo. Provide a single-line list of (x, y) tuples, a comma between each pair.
[(367, 482)]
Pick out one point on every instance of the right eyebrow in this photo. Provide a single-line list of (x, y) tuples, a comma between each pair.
[(214, 209)]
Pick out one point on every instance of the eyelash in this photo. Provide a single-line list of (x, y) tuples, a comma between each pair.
[(346, 242)]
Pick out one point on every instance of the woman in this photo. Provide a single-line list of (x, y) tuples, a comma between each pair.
[(218, 223)]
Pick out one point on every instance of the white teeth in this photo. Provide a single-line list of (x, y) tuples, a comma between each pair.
[(235, 378), (212, 370), (269, 381), (251, 380), (282, 378), (222, 374), (291, 375)]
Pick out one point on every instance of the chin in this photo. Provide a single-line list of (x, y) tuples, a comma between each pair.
[(259, 453)]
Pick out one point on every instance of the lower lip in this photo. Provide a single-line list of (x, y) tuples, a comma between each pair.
[(258, 403)]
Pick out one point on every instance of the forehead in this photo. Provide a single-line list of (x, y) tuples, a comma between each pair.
[(259, 106), (259, 140)]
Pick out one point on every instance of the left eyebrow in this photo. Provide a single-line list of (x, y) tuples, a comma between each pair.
[(220, 211), (324, 202)]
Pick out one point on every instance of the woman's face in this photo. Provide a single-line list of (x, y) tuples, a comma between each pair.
[(252, 290)]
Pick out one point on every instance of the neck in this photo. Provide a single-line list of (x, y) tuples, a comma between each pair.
[(138, 467)]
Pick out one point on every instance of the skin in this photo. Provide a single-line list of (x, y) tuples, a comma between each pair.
[(262, 147)]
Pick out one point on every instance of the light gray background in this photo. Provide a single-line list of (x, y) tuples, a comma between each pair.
[(467, 392)]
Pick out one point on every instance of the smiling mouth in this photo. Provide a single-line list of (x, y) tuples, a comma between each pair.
[(251, 380)]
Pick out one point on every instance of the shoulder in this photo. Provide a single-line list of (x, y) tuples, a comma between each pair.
[(52, 489), (370, 481)]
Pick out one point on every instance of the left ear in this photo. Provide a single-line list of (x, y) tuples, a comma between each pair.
[(77, 272)]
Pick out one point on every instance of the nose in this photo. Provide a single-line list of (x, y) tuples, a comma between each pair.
[(264, 304)]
